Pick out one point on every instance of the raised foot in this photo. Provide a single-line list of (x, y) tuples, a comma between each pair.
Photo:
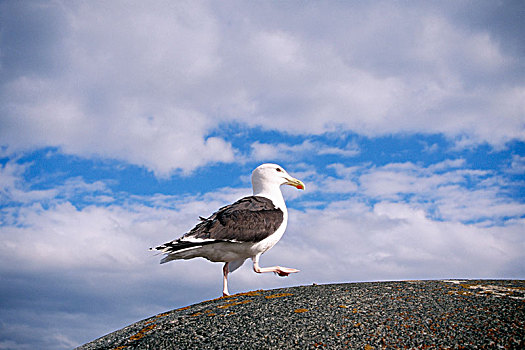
[(285, 271)]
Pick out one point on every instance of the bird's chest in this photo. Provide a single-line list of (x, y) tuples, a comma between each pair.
[(271, 240)]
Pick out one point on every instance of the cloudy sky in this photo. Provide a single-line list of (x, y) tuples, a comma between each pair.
[(122, 122)]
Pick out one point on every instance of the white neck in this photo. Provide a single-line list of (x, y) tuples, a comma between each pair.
[(270, 191)]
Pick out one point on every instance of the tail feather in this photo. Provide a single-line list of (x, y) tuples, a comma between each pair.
[(175, 249)]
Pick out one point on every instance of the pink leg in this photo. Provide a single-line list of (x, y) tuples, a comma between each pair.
[(281, 271), (225, 272)]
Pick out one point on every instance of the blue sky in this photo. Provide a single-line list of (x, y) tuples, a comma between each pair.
[(122, 122)]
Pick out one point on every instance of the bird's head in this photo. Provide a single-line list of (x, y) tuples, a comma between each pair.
[(273, 175)]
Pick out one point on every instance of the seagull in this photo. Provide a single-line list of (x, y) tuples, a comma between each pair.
[(245, 229)]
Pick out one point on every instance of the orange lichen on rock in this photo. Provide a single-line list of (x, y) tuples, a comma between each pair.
[(280, 295), (249, 294), (225, 306), (142, 332), (298, 311)]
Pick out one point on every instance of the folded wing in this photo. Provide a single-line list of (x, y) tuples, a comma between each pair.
[(250, 219)]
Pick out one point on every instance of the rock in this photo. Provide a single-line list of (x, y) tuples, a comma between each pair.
[(413, 314)]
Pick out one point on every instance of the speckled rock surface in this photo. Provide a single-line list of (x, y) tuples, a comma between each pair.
[(410, 314)]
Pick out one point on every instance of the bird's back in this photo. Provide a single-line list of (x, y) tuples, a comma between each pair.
[(230, 231)]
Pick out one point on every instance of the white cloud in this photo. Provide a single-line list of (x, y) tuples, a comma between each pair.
[(517, 165), (350, 150), (447, 190), (441, 42), (122, 94), (14, 189), (161, 139), (278, 49), (333, 185), (435, 79), (451, 194), (281, 151), (343, 170), (100, 251), (268, 151), (347, 240), (395, 241), (150, 90), (95, 260), (448, 164)]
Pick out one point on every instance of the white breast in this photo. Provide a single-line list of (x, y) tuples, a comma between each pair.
[(271, 240)]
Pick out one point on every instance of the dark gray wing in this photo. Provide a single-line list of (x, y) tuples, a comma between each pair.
[(250, 219)]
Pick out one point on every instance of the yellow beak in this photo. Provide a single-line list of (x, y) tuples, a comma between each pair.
[(295, 183)]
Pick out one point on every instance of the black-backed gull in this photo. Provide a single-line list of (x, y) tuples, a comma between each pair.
[(242, 230)]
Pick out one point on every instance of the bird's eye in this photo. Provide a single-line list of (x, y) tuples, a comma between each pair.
[(278, 169)]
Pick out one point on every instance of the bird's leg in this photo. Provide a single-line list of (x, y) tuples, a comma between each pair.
[(225, 272), (281, 271)]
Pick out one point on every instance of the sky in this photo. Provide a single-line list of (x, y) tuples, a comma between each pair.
[(122, 122)]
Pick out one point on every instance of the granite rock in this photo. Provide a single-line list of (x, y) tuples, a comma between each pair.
[(408, 314)]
